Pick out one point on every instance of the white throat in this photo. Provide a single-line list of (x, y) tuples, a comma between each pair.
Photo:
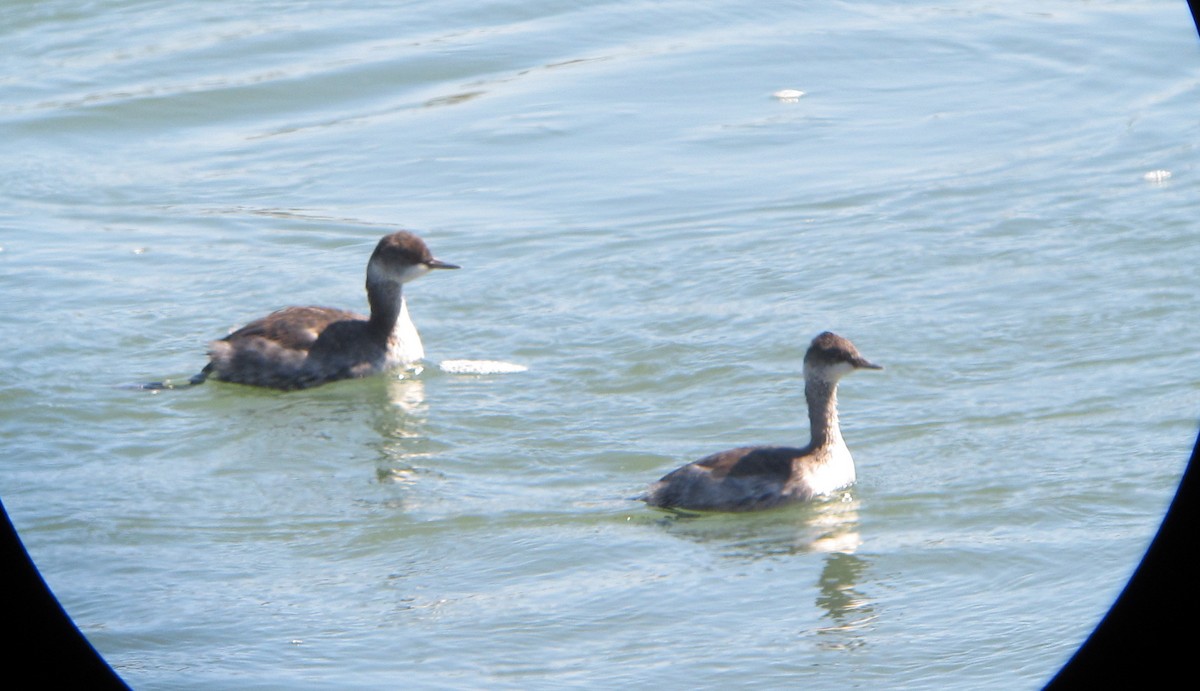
[(405, 344)]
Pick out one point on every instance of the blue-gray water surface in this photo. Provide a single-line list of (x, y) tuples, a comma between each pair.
[(995, 202)]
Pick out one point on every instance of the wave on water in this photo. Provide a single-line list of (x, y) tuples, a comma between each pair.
[(479, 367)]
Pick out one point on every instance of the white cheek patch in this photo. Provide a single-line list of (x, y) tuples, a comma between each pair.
[(415, 271), (377, 271), (828, 373)]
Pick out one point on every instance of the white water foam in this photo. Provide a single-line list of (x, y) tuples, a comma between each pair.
[(479, 367)]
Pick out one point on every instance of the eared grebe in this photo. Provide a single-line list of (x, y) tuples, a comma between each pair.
[(761, 477), (298, 347)]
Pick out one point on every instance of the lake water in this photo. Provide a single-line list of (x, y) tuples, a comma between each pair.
[(996, 202)]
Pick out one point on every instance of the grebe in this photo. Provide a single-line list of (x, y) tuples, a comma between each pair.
[(761, 477), (299, 347)]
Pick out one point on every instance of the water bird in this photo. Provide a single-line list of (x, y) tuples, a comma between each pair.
[(300, 347), (761, 477)]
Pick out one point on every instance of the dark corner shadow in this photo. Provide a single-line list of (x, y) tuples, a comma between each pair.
[(42, 642), (1142, 641)]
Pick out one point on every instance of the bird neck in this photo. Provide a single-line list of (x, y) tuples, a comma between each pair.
[(821, 396), (387, 301)]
